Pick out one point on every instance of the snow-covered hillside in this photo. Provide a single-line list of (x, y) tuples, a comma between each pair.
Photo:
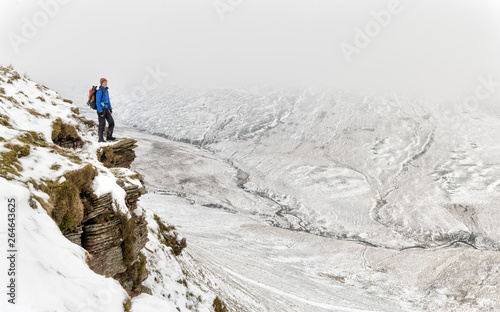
[(51, 272), (395, 171), (400, 192)]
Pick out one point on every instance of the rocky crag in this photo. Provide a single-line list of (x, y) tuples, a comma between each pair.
[(114, 242)]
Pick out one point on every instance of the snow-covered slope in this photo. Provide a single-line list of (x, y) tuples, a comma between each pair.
[(409, 185), (52, 273), (258, 267), (395, 171)]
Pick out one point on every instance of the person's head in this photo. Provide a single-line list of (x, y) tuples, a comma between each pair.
[(104, 82)]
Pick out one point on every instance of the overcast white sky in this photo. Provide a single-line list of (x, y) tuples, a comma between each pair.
[(443, 44)]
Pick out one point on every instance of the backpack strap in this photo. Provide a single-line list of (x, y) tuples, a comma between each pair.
[(102, 95), (102, 92)]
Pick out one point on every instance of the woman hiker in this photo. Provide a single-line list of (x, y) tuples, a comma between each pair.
[(104, 111)]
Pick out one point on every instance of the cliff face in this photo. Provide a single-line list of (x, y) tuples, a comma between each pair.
[(113, 241), (113, 238)]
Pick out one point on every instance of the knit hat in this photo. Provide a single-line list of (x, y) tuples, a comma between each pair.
[(103, 80)]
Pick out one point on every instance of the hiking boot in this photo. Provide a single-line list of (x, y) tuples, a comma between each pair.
[(101, 141), (110, 138)]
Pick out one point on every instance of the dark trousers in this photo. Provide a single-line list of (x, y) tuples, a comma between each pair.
[(102, 123)]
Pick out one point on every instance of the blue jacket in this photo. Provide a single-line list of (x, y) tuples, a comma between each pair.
[(102, 99)]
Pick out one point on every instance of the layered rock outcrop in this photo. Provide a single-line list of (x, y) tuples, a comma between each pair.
[(113, 240), (120, 154)]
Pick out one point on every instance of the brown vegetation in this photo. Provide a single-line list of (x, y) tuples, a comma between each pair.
[(170, 238), (65, 205)]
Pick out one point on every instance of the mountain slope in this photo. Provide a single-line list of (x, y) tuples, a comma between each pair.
[(50, 164), (389, 169)]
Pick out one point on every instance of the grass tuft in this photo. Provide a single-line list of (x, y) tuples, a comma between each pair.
[(33, 138), (37, 114), (127, 226), (169, 237), (219, 305), (65, 204), (15, 76), (9, 161), (4, 121), (127, 305), (64, 132)]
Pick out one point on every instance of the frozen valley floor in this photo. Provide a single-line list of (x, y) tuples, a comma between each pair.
[(258, 267)]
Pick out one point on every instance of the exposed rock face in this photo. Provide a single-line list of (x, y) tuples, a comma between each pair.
[(76, 236), (103, 238), (102, 241), (65, 135), (120, 154), (113, 240), (98, 207), (69, 143)]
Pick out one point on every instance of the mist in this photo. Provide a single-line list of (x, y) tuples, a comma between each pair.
[(442, 46)]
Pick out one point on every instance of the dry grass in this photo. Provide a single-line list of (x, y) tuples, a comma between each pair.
[(4, 121), (127, 305), (85, 121), (62, 132), (33, 138), (9, 161), (168, 237), (65, 205), (127, 227), (37, 114), (219, 305)]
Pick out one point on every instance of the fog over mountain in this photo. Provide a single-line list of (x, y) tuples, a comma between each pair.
[(424, 45)]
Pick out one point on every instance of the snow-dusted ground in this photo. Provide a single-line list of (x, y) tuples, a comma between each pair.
[(257, 267), (395, 171), (51, 272), (358, 178)]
